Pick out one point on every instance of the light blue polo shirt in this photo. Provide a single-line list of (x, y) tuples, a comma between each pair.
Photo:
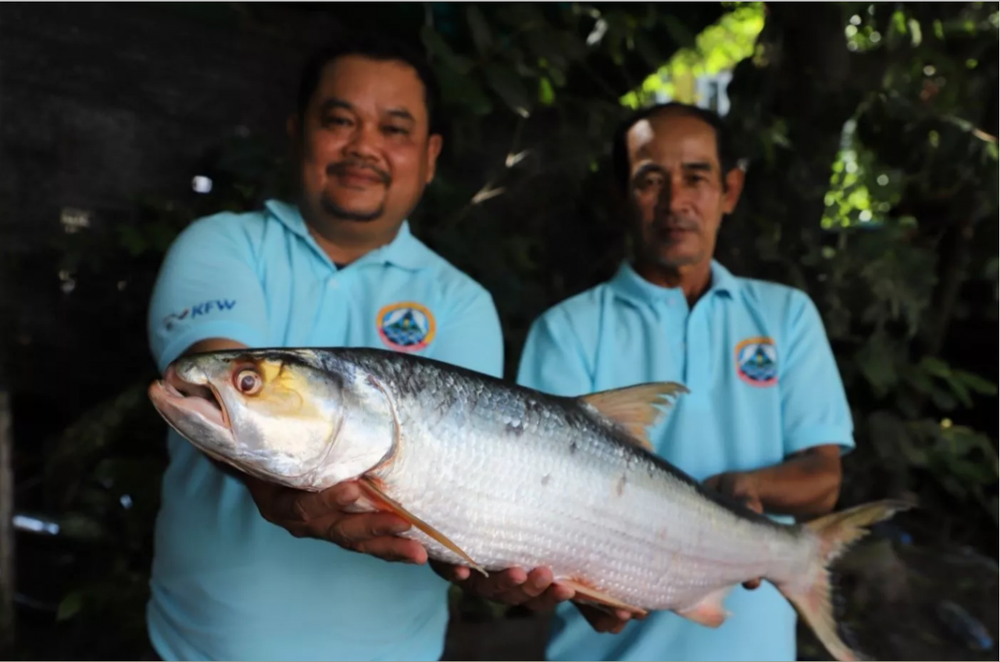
[(226, 584), (763, 382)]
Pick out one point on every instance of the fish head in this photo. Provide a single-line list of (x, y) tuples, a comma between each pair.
[(273, 414)]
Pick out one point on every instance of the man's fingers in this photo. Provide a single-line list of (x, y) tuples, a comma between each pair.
[(501, 583), (365, 526), (602, 621), (453, 573), (535, 584), (340, 495), (394, 549), (313, 506), (551, 597), (538, 581)]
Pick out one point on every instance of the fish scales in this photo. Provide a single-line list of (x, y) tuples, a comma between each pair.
[(553, 487)]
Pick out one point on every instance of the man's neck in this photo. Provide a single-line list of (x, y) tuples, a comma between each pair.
[(694, 280)]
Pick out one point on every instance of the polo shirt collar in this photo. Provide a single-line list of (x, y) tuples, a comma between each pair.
[(628, 284), (404, 250)]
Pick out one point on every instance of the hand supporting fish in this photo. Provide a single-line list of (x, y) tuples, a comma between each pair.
[(533, 590), (321, 515)]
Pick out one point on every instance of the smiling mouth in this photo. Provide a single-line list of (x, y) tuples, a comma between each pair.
[(358, 179), (172, 393)]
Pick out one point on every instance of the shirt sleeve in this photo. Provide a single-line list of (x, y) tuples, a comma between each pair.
[(553, 360), (207, 287), (471, 337), (814, 404)]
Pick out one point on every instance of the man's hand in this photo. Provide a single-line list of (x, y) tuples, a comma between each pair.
[(743, 487), (533, 590), (321, 515)]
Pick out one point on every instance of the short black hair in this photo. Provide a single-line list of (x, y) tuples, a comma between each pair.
[(723, 138), (376, 47)]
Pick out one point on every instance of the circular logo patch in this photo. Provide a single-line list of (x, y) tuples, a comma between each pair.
[(757, 361), (406, 326)]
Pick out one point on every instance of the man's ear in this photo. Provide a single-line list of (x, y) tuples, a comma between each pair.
[(434, 143), (734, 187)]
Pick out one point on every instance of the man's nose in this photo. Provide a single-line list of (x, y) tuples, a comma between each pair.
[(666, 196), (671, 197), (365, 142)]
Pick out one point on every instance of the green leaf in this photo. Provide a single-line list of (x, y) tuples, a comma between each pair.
[(974, 382), (481, 36), (509, 87), (936, 367), (546, 95), (70, 606)]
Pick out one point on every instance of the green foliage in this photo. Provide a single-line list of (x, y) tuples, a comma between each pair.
[(717, 48), (906, 235)]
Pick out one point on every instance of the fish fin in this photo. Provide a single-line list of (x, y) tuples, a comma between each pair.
[(602, 600), (709, 611), (383, 502), (635, 408), (812, 596)]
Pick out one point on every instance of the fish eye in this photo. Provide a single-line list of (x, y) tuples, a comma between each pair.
[(248, 382)]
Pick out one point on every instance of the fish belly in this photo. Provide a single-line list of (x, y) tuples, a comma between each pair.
[(526, 491)]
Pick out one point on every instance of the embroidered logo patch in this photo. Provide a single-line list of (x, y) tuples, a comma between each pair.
[(757, 361), (406, 326)]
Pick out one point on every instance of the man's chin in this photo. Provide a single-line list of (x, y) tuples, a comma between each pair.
[(678, 259), (357, 214)]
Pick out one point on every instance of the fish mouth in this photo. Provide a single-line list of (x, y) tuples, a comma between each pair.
[(174, 397)]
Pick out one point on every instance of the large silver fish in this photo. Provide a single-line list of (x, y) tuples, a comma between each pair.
[(493, 475)]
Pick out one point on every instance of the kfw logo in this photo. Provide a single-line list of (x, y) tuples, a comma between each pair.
[(203, 308)]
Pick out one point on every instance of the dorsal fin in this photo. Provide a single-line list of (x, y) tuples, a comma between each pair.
[(635, 408)]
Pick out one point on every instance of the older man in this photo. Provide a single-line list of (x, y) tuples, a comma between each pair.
[(766, 419)]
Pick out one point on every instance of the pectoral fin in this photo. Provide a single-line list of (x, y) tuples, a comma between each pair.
[(635, 408), (383, 502), (603, 600)]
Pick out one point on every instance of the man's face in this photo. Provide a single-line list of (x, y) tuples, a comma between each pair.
[(676, 194), (366, 152)]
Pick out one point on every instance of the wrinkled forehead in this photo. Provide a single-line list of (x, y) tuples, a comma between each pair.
[(671, 141)]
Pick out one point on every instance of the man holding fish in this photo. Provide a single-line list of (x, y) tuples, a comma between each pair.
[(339, 268), (438, 448), (766, 420)]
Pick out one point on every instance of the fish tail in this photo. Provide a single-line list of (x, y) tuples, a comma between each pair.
[(813, 597)]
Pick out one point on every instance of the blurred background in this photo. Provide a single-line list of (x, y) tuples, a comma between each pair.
[(870, 137)]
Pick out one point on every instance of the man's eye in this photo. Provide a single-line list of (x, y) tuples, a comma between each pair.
[(397, 130), (337, 121)]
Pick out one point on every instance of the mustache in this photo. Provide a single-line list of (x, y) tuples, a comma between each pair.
[(341, 167), (665, 222)]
